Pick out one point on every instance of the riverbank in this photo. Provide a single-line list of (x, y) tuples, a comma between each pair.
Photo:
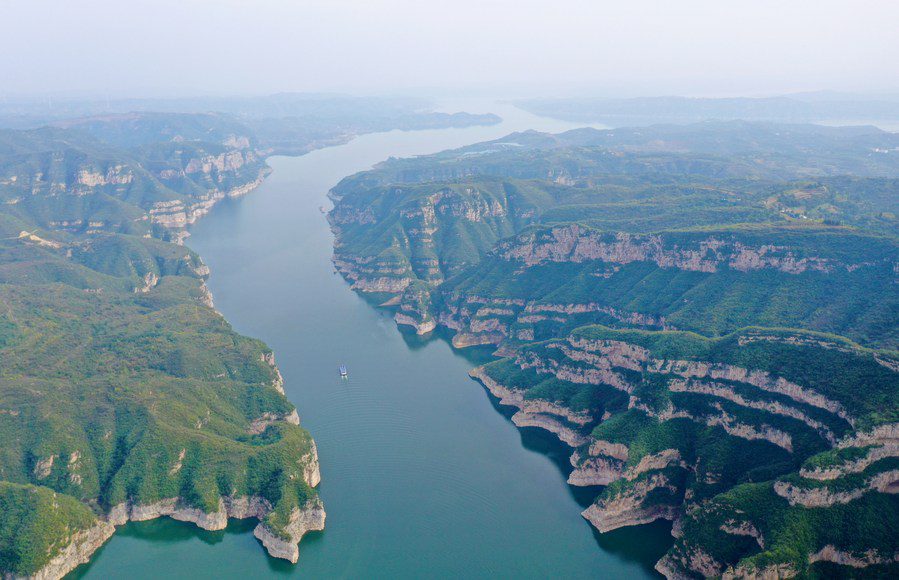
[(421, 471), (280, 538)]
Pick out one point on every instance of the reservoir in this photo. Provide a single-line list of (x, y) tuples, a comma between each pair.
[(422, 473)]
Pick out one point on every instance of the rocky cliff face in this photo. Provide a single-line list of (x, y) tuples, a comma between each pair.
[(368, 275), (629, 507), (831, 553), (564, 423), (816, 497), (591, 295), (574, 243), (420, 326), (759, 406), (611, 272), (261, 423), (601, 468), (486, 320), (602, 362), (722, 391), (269, 359), (81, 547), (876, 446), (282, 544), (594, 470), (177, 214), (310, 518), (674, 568), (415, 309), (407, 231), (89, 177), (164, 181)]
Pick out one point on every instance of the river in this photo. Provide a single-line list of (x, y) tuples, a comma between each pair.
[(422, 473)]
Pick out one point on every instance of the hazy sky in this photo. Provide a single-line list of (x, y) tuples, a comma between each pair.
[(700, 47)]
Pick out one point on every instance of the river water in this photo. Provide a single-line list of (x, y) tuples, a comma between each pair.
[(422, 473)]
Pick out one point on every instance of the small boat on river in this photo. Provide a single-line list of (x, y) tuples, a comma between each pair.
[(343, 371)]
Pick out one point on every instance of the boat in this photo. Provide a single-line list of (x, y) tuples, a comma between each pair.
[(343, 371)]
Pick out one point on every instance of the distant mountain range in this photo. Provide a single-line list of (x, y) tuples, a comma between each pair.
[(797, 108), (288, 123)]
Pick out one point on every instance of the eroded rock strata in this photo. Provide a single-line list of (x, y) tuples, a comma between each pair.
[(280, 544), (159, 424), (672, 304), (286, 544), (138, 398)]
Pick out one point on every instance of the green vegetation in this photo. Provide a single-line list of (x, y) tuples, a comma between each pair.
[(36, 523), (719, 298), (119, 384), (828, 364), (790, 533)]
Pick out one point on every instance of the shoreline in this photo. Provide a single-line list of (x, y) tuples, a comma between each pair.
[(311, 517), (83, 544)]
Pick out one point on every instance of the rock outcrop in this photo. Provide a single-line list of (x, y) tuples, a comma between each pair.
[(415, 308), (310, 518), (79, 550), (561, 421), (628, 509), (261, 423), (602, 469), (178, 214), (575, 243), (594, 470), (831, 553), (823, 496), (695, 562), (421, 327)]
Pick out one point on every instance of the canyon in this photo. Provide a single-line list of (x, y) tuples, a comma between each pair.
[(687, 364)]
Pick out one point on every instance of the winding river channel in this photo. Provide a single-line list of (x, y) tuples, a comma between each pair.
[(422, 473)]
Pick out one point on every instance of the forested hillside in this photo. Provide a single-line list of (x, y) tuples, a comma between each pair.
[(124, 395), (705, 314)]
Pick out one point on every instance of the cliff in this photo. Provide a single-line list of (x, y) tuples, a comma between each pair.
[(536, 413), (79, 551), (414, 308), (703, 313), (95, 285), (285, 544), (280, 541), (201, 429)]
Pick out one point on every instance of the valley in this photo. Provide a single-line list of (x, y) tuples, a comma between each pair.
[(125, 395)]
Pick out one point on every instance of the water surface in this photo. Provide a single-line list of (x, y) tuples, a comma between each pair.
[(422, 473)]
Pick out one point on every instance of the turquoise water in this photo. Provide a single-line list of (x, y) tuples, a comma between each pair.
[(422, 473)]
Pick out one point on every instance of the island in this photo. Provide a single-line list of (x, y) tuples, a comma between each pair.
[(705, 314)]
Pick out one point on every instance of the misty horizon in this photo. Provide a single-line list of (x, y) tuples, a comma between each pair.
[(104, 49)]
